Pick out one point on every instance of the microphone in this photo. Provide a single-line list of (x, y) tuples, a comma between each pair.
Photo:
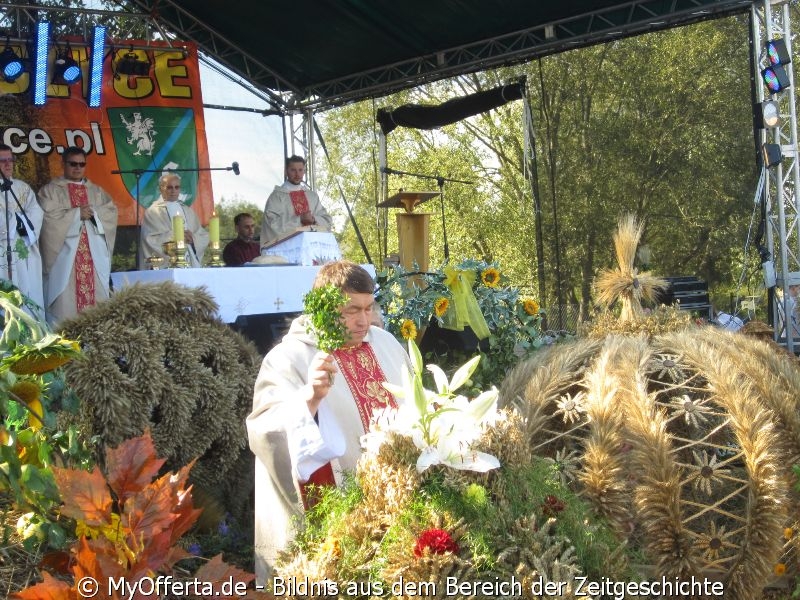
[(235, 167), (389, 171)]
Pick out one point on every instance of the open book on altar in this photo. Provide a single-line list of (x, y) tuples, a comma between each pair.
[(305, 247)]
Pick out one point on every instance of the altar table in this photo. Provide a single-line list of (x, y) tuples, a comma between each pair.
[(239, 291)]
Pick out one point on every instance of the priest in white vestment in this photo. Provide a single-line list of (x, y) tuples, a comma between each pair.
[(292, 205), (20, 226), (311, 408), (157, 225), (77, 239)]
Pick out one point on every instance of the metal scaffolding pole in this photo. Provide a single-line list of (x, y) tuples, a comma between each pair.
[(299, 140), (780, 193)]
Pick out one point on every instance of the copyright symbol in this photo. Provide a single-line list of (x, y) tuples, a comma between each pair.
[(88, 587)]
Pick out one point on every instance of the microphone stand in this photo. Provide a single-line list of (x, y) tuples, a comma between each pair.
[(139, 172), (6, 186), (440, 182)]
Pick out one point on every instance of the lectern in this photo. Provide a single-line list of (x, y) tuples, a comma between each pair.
[(413, 228)]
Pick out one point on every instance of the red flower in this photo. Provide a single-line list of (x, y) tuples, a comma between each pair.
[(438, 541), (552, 506)]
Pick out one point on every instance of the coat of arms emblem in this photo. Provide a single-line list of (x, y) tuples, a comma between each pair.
[(141, 133)]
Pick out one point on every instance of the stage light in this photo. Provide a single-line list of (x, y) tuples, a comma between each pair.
[(96, 65), (775, 78), (131, 65), (40, 72), (772, 155), (11, 65), (66, 70), (777, 53), (767, 114)]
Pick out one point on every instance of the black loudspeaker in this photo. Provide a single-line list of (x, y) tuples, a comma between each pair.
[(265, 331), (440, 341), (690, 292)]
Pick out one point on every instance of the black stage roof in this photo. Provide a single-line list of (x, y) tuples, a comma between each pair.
[(323, 53)]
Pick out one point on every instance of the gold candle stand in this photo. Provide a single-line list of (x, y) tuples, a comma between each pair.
[(176, 251), (216, 255)]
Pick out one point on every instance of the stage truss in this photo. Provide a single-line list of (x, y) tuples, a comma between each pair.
[(781, 203)]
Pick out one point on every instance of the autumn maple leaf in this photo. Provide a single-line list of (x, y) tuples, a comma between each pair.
[(132, 466), (86, 495), (161, 513), (50, 589), (136, 537), (216, 572)]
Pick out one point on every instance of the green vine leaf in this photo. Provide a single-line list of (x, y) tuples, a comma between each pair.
[(323, 305)]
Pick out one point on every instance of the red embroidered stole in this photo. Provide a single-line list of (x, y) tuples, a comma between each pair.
[(364, 376), (299, 202), (84, 265)]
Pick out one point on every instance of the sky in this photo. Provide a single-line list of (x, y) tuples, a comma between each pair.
[(252, 140)]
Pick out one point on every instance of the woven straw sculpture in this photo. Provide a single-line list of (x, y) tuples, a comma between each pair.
[(156, 357), (683, 436)]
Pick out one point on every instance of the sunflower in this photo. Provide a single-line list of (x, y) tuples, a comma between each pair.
[(408, 330), (440, 306), (490, 277), (530, 306), (36, 361), (26, 390)]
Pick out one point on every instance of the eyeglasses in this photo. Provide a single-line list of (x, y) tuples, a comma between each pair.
[(8, 160), (75, 163)]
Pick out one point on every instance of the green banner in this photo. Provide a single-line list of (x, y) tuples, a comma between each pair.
[(150, 141)]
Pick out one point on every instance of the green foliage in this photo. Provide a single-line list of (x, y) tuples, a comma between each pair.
[(323, 306), (334, 504), (30, 445), (514, 321), (535, 486)]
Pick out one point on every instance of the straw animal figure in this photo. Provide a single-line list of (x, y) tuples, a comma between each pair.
[(158, 358), (683, 439)]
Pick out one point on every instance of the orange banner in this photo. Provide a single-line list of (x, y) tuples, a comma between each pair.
[(145, 125)]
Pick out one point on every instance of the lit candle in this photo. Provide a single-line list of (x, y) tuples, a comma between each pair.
[(213, 228), (177, 229)]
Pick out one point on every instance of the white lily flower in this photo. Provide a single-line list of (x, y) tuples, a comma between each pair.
[(443, 426), (440, 378), (453, 454)]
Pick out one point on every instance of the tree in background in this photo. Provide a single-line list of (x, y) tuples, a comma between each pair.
[(659, 125), (227, 211)]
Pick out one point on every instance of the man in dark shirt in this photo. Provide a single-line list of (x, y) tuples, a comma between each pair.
[(243, 249)]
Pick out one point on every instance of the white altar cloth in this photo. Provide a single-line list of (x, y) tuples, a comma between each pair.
[(306, 248), (249, 290)]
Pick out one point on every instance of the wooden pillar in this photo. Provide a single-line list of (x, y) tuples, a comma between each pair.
[(413, 229), (413, 233)]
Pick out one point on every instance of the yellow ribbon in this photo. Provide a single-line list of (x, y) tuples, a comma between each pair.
[(464, 309)]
